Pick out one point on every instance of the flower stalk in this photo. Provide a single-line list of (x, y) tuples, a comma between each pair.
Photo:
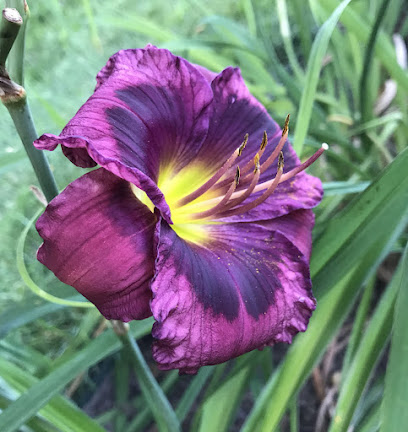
[(161, 408), (11, 22), (14, 97)]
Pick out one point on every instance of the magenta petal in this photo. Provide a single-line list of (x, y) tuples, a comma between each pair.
[(248, 288), (235, 112), (98, 238), (150, 111), (296, 227), (301, 192), (208, 74)]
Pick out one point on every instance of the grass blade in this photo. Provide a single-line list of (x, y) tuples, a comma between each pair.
[(364, 234), (394, 409), (192, 392), (59, 412), (384, 50), (41, 392), (218, 409), (314, 65), (367, 355)]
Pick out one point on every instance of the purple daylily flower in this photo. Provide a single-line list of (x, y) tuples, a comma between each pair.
[(169, 226)]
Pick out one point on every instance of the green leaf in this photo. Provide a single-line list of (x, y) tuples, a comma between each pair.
[(394, 409), (39, 394), (59, 412), (19, 315), (314, 65), (22, 269), (384, 49), (364, 234), (218, 409), (284, 26), (36, 424), (9, 160), (359, 225), (371, 346), (192, 392), (342, 188), (138, 24)]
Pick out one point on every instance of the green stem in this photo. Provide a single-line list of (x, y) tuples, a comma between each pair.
[(160, 406), (13, 95), (11, 22), (23, 121), (294, 414), (16, 60)]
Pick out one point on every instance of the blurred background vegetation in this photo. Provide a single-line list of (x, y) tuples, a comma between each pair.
[(359, 106)]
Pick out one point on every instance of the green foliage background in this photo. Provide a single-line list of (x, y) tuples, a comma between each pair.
[(298, 57)]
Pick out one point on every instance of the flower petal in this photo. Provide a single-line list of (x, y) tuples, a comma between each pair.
[(301, 192), (296, 227), (149, 112), (98, 238), (250, 287), (235, 113)]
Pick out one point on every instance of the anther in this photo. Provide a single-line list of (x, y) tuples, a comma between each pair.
[(242, 146), (295, 170), (280, 161), (286, 125), (247, 167), (256, 163), (264, 141), (279, 147), (237, 176)]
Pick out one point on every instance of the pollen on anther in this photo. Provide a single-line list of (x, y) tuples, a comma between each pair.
[(256, 163), (237, 176), (242, 146), (286, 125), (264, 140), (280, 161)]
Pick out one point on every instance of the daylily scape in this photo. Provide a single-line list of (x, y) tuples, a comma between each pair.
[(199, 213)]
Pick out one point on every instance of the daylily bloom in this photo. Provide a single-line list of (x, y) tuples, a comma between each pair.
[(198, 215)]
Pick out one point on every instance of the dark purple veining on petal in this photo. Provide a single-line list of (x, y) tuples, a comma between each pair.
[(248, 284), (158, 105), (257, 269), (225, 269), (235, 112), (165, 135)]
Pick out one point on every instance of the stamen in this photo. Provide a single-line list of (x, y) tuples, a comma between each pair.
[(268, 162), (247, 167), (242, 146), (221, 204), (279, 147), (263, 197), (248, 191), (237, 176), (211, 182), (294, 171), (264, 141)]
